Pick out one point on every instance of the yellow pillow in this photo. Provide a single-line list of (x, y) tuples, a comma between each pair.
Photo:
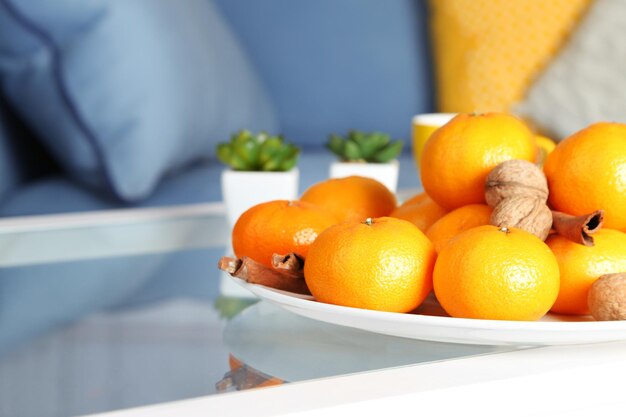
[(488, 52)]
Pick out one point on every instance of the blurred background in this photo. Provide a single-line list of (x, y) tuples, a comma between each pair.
[(121, 103)]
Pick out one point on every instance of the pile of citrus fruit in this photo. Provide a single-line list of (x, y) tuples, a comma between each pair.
[(363, 250)]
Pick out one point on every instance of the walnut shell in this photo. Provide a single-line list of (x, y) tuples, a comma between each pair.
[(515, 178), (607, 297), (527, 213)]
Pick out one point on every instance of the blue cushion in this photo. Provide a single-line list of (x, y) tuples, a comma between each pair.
[(22, 157), (10, 173), (334, 65), (124, 92)]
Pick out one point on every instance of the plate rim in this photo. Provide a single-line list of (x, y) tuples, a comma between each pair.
[(303, 301)]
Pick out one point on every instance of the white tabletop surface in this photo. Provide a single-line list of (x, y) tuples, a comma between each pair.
[(554, 381), (550, 381)]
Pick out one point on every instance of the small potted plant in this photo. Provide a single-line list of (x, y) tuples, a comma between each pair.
[(371, 155), (262, 168)]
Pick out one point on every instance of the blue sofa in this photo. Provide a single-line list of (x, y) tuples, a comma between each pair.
[(120, 104), (108, 105)]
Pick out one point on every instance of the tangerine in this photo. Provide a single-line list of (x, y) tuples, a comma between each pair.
[(587, 172), (496, 273), (378, 264), (582, 265), (420, 210), (544, 143), (459, 155), (352, 198), (457, 221), (279, 226)]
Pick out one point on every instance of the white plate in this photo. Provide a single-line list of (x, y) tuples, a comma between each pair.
[(431, 324)]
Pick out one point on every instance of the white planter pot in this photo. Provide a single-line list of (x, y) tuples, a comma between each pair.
[(386, 173), (244, 189)]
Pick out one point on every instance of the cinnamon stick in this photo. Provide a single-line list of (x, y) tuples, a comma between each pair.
[(256, 273), (245, 377), (291, 262), (578, 229)]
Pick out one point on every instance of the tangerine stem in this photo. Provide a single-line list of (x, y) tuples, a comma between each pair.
[(504, 230), (368, 221)]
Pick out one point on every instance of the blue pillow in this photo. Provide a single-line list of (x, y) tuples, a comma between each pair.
[(123, 92), (334, 65)]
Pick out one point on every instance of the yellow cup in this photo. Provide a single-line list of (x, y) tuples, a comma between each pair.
[(423, 126)]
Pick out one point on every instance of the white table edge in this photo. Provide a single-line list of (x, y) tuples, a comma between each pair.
[(554, 381), (30, 223), (107, 217), (45, 239)]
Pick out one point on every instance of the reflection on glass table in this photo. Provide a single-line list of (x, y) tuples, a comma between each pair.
[(97, 349), (100, 313), (293, 348)]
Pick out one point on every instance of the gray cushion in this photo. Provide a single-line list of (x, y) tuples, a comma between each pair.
[(586, 82)]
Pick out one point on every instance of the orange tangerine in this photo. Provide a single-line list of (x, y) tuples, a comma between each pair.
[(587, 172), (380, 264), (496, 273), (351, 198), (582, 265), (459, 155), (457, 221), (279, 226), (420, 210)]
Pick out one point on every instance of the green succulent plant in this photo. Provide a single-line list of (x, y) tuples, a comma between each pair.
[(364, 147), (229, 307), (257, 152)]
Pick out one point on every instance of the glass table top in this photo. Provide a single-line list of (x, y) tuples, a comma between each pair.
[(109, 311)]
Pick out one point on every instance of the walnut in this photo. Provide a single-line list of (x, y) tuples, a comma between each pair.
[(527, 213), (607, 297), (515, 178)]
